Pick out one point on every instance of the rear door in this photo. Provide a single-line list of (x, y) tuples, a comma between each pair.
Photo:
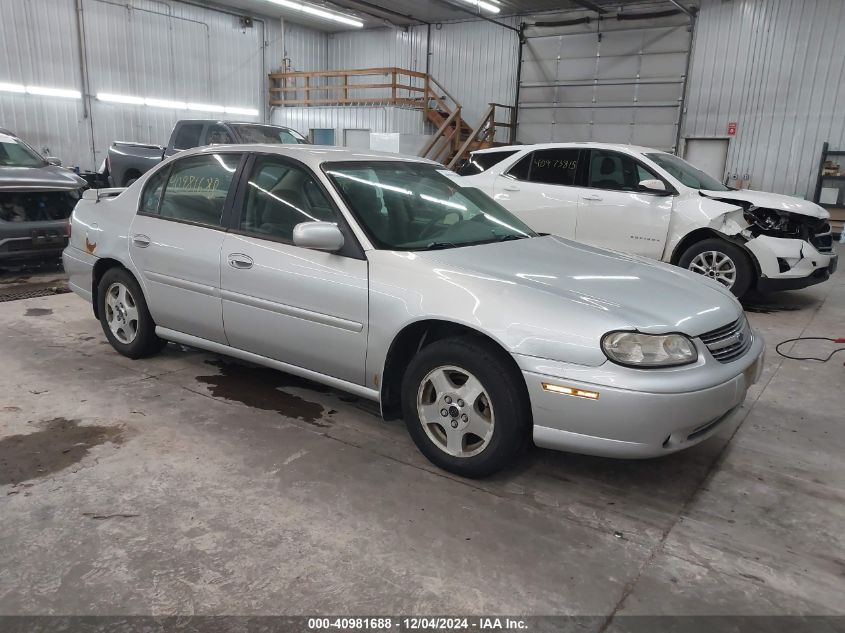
[(175, 241), (615, 212), (542, 190), (296, 305)]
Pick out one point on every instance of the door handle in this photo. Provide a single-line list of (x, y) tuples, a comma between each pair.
[(240, 261), (590, 196), (510, 188), (141, 241)]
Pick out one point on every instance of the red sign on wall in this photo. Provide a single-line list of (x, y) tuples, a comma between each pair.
[(732, 128)]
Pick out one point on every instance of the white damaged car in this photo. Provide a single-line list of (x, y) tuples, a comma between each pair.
[(651, 203)]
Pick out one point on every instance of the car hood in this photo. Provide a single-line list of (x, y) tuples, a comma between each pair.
[(605, 289), (767, 200), (49, 177)]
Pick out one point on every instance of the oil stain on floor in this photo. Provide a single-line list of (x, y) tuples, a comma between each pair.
[(264, 389), (58, 444), (38, 312)]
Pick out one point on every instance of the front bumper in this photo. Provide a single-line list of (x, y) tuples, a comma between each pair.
[(23, 244), (789, 264), (639, 413)]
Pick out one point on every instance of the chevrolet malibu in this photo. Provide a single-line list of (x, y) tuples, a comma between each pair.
[(387, 278)]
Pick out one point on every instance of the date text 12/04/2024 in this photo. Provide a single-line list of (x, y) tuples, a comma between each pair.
[(416, 624)]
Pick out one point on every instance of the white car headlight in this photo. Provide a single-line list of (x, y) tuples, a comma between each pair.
[(648, 350)]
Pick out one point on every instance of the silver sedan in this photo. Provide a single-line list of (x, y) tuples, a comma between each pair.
[(386, 278)]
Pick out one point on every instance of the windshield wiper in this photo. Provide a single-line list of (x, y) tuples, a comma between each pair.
[(507, 238), (436, 246)]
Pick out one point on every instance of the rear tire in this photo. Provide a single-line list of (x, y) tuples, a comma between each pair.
[(124, 316), (721, 261), (488, 416)]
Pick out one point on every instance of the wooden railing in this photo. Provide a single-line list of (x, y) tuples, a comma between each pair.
[(485, 132), (386, 86), (393, 86)]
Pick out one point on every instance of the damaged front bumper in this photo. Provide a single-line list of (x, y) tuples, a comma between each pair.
[(789, 264)]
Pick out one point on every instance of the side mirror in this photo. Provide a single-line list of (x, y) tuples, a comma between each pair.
[(654, 185), (319, 236), (52, 160)]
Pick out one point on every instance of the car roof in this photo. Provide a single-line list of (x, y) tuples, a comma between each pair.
[(636, 149), (234, 122), (311, 155)]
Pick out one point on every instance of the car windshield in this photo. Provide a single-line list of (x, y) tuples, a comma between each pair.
[(13, 153), (413, 206), (268, 134), (686, 173)]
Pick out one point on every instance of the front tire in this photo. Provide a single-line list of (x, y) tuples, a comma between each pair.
[(487, 414), (721, 261), (124, 316)]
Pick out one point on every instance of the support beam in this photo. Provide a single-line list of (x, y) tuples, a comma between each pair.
[(592, 6), (689, 11)]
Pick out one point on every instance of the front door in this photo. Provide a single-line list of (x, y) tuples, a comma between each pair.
[(175, 241), (541, 190), (616, 213), (299, 306)]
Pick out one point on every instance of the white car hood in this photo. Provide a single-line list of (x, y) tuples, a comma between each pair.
[(767, 200)]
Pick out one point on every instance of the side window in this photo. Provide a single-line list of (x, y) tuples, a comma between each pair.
[(188, 136), (522, 169), (481, 162), (554, 166), (152, 193), (279, 196), (616, 172), (197, 188), (218, 135)]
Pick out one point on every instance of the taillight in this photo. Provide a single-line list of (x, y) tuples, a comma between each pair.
[(68, 229)]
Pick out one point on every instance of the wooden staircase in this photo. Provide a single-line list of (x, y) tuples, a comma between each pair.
[(454, 138)]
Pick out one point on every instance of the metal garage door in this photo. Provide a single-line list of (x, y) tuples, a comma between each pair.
[(617, 81)]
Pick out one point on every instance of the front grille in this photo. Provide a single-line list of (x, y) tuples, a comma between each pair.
[(823, 240), (729, 342)]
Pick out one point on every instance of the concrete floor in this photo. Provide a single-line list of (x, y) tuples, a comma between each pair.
[(187, 484)]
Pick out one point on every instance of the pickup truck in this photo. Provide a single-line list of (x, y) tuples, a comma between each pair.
[(127, 161)]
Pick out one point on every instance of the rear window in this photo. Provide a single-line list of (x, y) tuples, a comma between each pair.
[(481, 162), (188, 136)]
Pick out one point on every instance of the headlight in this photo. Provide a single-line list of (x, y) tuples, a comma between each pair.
[(648, 350)]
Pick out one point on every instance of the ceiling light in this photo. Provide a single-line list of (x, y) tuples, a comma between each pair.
[(244, 111), (173, 105), (480, 4), (203, 107), (322, 13), (12, 87), (105, 96), (164, 103), (53, 92)]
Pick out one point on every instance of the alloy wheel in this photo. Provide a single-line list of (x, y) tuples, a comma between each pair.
[(455, 411), (715, 265), (121, 313)]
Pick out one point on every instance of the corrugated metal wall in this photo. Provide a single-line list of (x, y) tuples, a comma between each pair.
[(182, 53), (475, 61), (38, 47), (776, 68), (146, 48), (304, 48)]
